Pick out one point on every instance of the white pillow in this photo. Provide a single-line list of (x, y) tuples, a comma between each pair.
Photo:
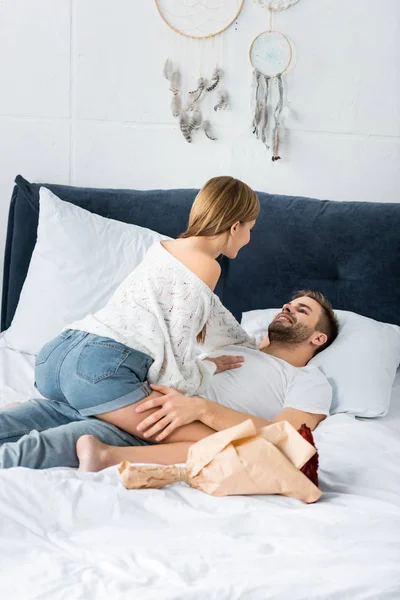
[(78, 261), (360, 364)]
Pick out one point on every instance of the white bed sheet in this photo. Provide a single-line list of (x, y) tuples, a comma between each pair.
[(69, 535)]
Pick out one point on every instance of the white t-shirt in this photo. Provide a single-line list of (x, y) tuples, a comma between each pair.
[(264, 385)]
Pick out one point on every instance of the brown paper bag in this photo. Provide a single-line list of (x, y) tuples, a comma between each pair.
[(237, 461)]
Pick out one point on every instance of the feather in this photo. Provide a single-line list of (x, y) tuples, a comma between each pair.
[(196, 94), (265, 116), (257, 110), (277, 126), (168, 69), (184, 125), (201, 84), (261, 116), (176, 105), (196, 120), (175, 82), (214, 80), (223, 101), (208, 131)]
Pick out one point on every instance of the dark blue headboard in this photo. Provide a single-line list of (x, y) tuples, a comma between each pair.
[(350, 251)]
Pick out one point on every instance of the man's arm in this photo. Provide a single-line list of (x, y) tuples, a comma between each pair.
[(173, 410), (220, 417), (297, 418)]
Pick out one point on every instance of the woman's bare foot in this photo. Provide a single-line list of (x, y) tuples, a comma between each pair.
[(93, 455)]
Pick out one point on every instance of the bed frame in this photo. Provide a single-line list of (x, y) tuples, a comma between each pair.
[(350, 251)]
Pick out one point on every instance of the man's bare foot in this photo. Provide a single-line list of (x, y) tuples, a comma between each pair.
[(93, 455)]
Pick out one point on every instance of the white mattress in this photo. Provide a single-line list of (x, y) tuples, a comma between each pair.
[(69, 535)]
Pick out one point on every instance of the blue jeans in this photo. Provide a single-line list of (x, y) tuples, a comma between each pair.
[(40, 434), (81, 375), (92, 374)]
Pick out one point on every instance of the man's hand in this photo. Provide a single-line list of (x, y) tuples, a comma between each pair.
[(175, 410), (225, 363)]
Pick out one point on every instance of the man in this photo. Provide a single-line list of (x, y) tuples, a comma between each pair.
[(285, 390), (273, 384)]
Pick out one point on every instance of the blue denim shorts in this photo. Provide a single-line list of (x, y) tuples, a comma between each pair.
[(93, 374)]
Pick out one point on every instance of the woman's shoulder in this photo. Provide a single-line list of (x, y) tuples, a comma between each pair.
[(201, 264), (207, 269)]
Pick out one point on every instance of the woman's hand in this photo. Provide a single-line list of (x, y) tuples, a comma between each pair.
[(225, 363), (264, 343), (175, 410)]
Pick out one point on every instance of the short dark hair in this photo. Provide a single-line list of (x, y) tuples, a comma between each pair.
[(328, 322)]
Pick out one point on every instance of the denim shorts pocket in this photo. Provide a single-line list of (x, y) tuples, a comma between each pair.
[(48, 349), (139, 363), (99, 360)]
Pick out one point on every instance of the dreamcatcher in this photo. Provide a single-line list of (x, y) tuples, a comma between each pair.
[(271, 56), (276, 4), (196, 26)]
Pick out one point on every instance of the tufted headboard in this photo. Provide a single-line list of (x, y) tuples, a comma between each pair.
[(350, 251)]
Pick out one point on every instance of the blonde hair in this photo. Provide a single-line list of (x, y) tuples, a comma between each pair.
[(221, 202)]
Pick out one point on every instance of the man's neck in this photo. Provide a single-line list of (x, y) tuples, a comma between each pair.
[(294, 354)]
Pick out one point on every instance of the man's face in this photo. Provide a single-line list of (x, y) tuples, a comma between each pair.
[(297, 321)]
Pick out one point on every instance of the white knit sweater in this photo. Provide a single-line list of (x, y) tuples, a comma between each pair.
[(159, 309)]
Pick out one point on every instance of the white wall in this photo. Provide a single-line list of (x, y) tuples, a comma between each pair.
[(83, 101)]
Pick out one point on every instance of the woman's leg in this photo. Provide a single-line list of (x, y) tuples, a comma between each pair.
[(93, 455), (87, 385), (128, 419)]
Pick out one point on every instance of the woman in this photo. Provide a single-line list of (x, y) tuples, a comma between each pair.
[(102, 365)]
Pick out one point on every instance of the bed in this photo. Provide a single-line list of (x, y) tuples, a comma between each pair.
[(66, 534)]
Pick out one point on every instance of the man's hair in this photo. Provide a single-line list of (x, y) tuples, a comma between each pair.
[(328, 322)]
